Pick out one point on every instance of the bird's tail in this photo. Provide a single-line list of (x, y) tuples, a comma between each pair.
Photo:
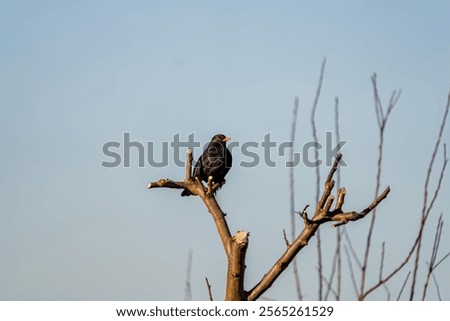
[(186, 192)]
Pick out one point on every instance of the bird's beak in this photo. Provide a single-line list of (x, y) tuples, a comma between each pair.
[(226, 139)]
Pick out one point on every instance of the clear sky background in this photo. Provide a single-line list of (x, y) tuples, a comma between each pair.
[(77, 74)]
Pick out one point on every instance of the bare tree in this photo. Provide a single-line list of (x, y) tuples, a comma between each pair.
[(235, 246)]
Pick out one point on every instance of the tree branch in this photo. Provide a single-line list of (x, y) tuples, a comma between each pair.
[(322, 214), (196, 187), (382, 119)]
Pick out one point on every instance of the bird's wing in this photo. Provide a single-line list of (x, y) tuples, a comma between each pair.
[(198, 168), (213, 157)]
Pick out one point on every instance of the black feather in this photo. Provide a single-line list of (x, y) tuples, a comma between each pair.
[(215, 161)]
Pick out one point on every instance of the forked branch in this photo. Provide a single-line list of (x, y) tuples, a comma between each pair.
[(322, 214), (196, 187)]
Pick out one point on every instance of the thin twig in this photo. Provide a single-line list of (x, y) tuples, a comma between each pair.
[(339, 205), (380, 276), (335, 269), (403, 286), (338, 135), (292, 198), (436, 283), (313, 124), (434, 253), (442, 260), (209, 289), (188, 290), (286, 241), (329, 288), (382, 119), (352, 272), (329, 282), (438, 187), (316, 151), (388, 293), (352, 250)]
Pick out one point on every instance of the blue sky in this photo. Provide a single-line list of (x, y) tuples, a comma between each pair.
[(74, 75)]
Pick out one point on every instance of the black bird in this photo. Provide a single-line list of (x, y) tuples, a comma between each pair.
[(215, 161)]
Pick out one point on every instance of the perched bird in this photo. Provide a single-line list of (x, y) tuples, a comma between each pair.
[(215, 161)]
